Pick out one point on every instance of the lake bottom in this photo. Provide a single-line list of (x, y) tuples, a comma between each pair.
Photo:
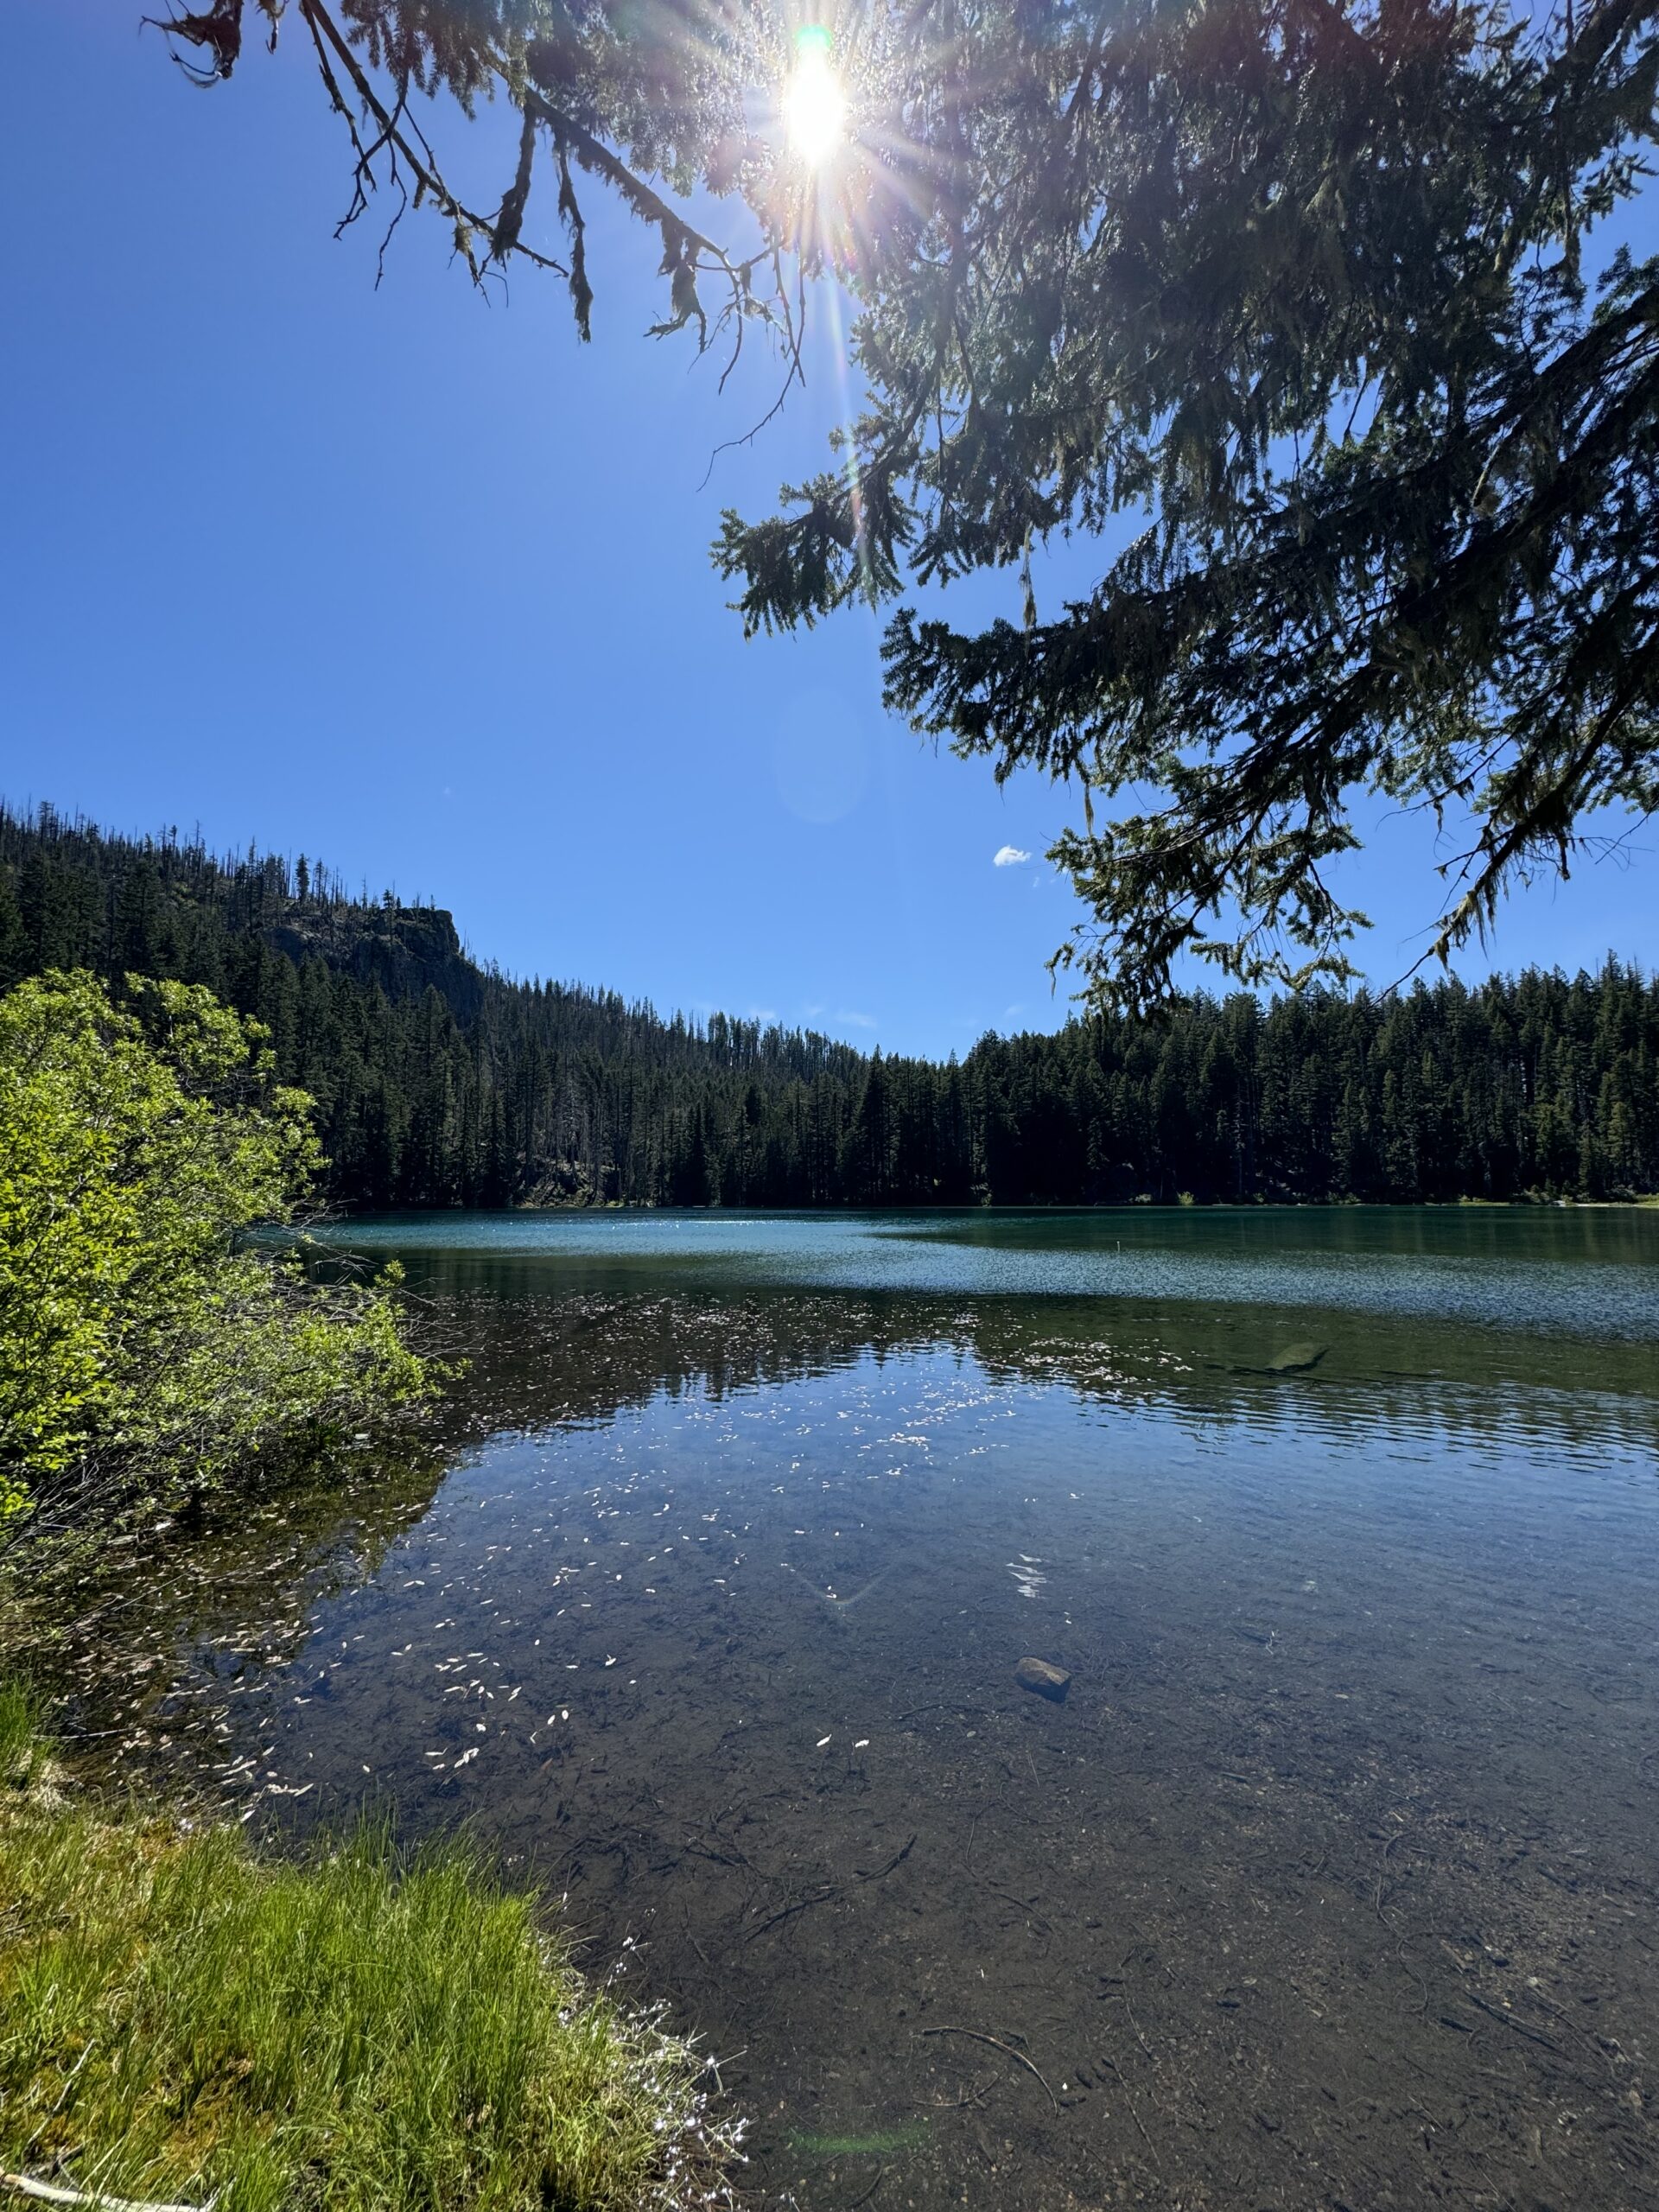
[(1330, 1884)]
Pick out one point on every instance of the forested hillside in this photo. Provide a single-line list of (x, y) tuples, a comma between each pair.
[(441, 1082)]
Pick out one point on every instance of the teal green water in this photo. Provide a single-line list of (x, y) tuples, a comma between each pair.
[(1331, 1881), (1584, 1271)]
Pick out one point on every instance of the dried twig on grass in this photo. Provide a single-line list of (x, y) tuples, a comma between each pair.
[(51, 2192)]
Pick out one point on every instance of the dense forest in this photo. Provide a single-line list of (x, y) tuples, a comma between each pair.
[(442, 1083)]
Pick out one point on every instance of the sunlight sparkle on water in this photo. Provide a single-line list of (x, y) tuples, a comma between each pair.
[(815, 107)]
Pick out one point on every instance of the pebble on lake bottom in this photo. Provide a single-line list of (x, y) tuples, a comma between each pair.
[(1046, 1680)]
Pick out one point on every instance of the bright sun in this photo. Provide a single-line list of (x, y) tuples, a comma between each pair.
[(815, 108)]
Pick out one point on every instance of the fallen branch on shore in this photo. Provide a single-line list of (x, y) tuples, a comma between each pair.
[(51, 2192)]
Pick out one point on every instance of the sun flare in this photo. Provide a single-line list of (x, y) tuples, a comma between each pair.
[(815, 107)]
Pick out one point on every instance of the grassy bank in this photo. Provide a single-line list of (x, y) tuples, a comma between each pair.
[(181, 2019)]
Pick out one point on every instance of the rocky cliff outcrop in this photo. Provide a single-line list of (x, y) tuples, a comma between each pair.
[(406, 950)]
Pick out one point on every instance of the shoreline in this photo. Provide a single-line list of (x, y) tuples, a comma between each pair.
[(354, 2021)]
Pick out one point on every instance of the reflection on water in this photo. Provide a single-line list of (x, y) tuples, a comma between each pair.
[(1331, 1881)]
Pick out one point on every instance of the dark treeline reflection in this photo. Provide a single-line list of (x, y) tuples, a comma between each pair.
[(443, 1083), (536, 1361)]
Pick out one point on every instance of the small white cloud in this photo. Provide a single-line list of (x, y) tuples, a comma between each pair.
[(857, 1020), (1008, 857)]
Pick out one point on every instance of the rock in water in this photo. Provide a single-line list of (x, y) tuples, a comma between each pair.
[(1047, 1682), (1294, 1357)]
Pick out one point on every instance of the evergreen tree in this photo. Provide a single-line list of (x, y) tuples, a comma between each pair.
[(1324, 289), (864, 1155), (440, 1083)]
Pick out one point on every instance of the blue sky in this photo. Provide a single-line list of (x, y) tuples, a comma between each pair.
[(422, 586)]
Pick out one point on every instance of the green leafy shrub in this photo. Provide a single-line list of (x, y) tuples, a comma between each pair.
[(140, 1339)]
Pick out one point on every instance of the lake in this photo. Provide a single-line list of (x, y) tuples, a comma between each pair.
[(1331, 1881)]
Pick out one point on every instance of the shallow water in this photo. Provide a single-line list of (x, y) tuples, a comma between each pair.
[(1330, 1883)]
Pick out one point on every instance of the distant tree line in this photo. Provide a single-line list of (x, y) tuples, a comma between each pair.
[(440, 1082)]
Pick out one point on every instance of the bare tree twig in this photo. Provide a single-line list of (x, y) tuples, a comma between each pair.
[(996, 2042)]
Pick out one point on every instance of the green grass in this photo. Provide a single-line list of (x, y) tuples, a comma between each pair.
[(179, 2017), (20, 1751)]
